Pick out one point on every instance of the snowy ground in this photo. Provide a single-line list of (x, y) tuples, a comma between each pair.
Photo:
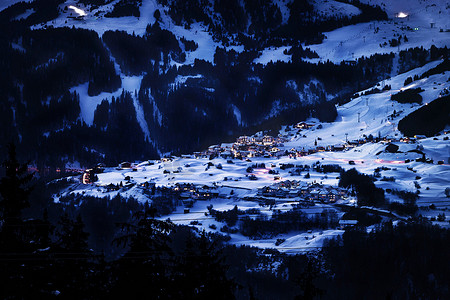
[(355, 41), (352, 42), (373, 111)]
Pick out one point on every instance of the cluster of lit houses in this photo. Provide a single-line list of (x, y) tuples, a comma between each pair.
[(261, 146), (306, 191), (246, 146)]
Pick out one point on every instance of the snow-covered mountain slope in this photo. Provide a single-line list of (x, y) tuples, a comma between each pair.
[(369, 114), (238, 186), (94, 19), (157, 59), (424, 23), (375, 118)]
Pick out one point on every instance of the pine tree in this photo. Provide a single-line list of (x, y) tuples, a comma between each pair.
[(72, 236)]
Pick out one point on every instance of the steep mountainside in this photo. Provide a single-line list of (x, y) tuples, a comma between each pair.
[(107, 81)]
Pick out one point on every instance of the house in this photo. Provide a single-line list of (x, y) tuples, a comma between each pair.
[(338, 147), (350, 62), (125, 165), (292, 194), (304, 125), (343, 224), (276, 151), (304, 191), (148, 185), (268, 140), (320, 148), (89, 176), (267, 192), (112, 187), (226, 154), (314, 195), (281, 193), (333, 196), (323, 195), (244, 140)]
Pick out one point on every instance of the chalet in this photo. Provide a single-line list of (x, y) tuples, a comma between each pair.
[(303, 125), (125, 165), (420, 136), (244, 140), (184, 187), (281, 193), (350, 62), (312, 151), (338, 147), (322, 195), (268, 140), (148, 185), (333, 196), (112, 187), (275, 151), (226, 154), (304, 191), (89, 176), (99, 168), (202, 194), (293, 194), (406, 140), (320, 149), (267, 192), (314, 195)]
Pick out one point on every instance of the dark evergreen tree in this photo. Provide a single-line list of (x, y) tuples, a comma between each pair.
[(14, 187), (71, 234)]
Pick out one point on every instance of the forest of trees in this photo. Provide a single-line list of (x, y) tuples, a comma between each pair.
[(427, 120)]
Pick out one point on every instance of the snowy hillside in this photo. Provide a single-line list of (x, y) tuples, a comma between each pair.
[(424, 23), (236, 185)]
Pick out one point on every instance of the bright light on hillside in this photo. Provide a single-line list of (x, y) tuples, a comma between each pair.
[(80, 12), (402, 15)]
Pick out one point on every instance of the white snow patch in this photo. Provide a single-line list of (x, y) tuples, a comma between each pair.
[(273, 54), (237, 114), (334, 8)]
